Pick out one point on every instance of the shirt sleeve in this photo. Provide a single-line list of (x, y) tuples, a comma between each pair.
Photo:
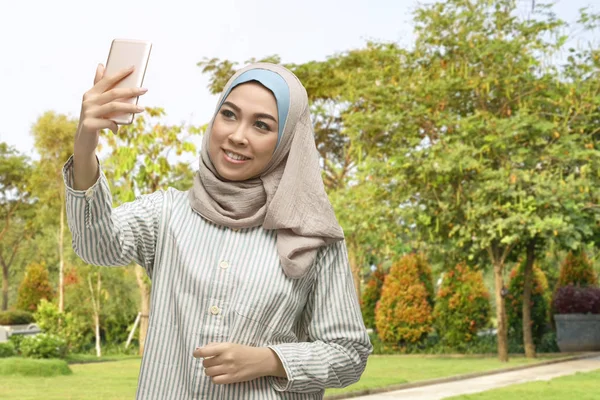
[(339, 345), (107, 236)]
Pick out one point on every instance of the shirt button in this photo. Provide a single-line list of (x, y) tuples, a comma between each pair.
[(89, 193), (224, 264), (214, 310)]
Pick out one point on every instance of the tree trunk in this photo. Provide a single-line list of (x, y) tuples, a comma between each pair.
[(96, 308), (527, 288), (355, 268), (4, 286), (501, 313), (61, 254), (5, 270), (145, 308)]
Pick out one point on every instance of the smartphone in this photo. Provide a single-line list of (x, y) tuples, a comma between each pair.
[(125, 53)]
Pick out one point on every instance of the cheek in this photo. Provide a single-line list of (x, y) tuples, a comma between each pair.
[(266, 147)]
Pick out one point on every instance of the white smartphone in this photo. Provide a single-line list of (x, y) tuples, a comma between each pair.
[(125, 53)]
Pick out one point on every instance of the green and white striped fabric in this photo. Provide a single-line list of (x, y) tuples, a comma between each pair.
[(214, 284)]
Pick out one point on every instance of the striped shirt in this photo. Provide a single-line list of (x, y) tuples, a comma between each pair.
[(211, 283)]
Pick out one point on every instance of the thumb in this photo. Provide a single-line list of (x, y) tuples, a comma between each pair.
[(99, 73)]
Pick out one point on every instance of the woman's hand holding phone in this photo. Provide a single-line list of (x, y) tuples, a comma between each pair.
[(98, 106)]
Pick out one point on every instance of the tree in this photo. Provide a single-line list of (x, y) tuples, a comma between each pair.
[(14, 210), (141, 161), (371, 295), (539, 302), (53, 140), (404, 312), (34, 287), (477, 145), (462, 306)]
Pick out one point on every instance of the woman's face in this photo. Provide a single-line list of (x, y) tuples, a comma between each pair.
[(244, 132)]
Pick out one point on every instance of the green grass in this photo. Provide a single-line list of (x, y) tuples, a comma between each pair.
[(30, 367), (581, 386), (384, 371), (91, 358), (118, 379), (110, 380)]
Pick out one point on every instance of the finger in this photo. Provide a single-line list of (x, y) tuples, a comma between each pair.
[(225, 379), (209, 362), (215, 371), (210, 350), (119, 93), (114, 107), (108, 82), (99, 73)]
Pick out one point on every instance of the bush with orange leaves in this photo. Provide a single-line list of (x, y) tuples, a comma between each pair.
[(577, 270), (462, 306), (371, 295), (404, 312)]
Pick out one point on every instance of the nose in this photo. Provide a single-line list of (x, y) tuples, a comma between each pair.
[(238, 136)]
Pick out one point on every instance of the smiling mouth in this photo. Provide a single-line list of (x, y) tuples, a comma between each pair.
[(235, 156)]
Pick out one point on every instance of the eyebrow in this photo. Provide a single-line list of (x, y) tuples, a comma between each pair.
[(257, 115)]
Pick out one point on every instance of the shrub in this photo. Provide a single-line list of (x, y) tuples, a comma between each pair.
[(44, 345), (577, 269), (462, 306), (539, 303), (65, 325), (371, 295), (7, 349), (577, 300), (34, 287), (28, 367), (16, 340), (16, 317), (403, 313)]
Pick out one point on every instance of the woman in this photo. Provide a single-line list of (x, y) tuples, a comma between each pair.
[(252, 295)]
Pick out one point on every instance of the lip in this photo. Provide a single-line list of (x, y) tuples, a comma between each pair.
[(231, 160)]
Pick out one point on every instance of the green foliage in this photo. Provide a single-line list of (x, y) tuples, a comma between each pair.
[(44, 345), (462, 306), (140, 156), (7, 349), (28, 367), (16, 340), (34, 287), (577, 269), (540, 303), (404, 312), (15, 317), (74, 330), (370, 296), (15, 212)]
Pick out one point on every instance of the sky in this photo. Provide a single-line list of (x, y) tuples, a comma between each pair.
[(49, 49)]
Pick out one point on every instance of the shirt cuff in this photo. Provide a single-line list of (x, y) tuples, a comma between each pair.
[(282, 384), (69, 179)]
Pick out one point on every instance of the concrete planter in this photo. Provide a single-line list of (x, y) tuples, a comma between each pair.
[(578, 332)]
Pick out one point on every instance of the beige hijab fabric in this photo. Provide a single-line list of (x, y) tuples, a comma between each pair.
[(288, 196)]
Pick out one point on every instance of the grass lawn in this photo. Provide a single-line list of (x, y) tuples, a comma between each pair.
[(118, 379), (581, 386)]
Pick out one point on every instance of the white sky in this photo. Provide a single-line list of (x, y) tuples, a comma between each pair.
[(49, 49)]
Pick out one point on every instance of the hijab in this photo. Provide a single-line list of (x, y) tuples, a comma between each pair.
[(288, 196)]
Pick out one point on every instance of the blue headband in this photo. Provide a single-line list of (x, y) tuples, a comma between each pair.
[(275, 83)]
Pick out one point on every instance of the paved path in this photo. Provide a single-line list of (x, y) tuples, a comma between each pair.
[(481, 384)]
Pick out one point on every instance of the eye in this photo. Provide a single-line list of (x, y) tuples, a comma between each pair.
[(262, 125), (227, 114)]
